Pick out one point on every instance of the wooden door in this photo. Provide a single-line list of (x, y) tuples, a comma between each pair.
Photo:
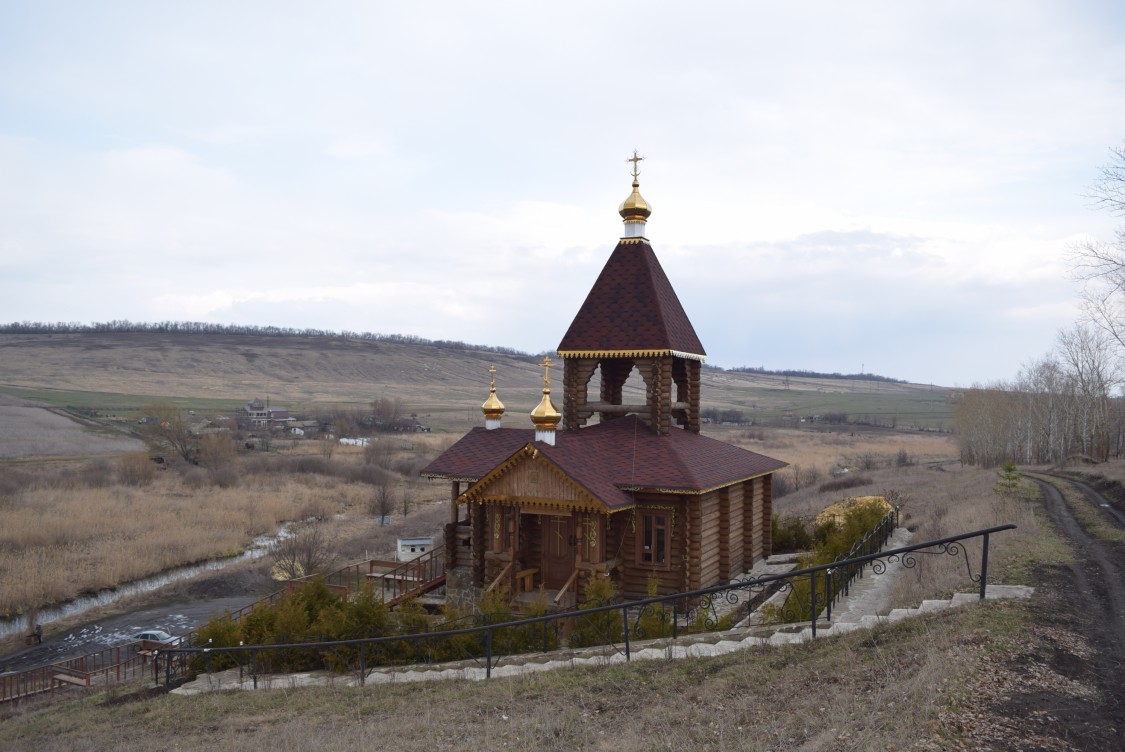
[(558, 550)]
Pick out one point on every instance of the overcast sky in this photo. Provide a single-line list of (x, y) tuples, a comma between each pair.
[(889, 186)]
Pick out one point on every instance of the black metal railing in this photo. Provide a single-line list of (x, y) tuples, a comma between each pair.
[(614, 625)]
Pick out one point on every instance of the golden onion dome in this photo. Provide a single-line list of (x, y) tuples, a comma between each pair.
[(635, 207), (492, 408), (545, 416)]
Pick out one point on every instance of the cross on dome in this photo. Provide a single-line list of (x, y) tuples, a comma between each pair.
[(635, 159)]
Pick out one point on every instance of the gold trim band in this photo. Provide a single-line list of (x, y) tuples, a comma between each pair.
[(629, 354)]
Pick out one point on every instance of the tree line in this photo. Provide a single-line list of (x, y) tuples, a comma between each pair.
[(124, 326), (1058, 407), (799, 374)]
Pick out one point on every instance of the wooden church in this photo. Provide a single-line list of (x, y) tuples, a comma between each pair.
[(637, 494)]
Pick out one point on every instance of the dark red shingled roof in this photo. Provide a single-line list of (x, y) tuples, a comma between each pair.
[(632, 306), (608, 458)]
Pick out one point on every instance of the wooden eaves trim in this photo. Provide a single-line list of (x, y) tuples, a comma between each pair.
[(695, 491)]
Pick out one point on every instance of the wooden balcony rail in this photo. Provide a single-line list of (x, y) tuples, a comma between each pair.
[(500, 577), (567, 587)]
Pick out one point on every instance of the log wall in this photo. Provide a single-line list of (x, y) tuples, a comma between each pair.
[(704, 544), (733, 532), (621, 543), (756, 534)]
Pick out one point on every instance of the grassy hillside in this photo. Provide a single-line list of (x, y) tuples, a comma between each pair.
[(120, 372)]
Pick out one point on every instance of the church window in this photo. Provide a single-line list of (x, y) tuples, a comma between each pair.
[(652, 539)]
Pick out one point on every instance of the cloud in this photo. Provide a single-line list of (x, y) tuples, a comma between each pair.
[(883, 183)]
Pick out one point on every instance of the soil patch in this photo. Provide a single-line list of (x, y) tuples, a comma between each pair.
[(1081, 610)]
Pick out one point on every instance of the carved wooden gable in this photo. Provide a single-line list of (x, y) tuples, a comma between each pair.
[(530, 479)]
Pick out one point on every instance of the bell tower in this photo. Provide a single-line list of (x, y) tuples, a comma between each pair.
[(632, 318)]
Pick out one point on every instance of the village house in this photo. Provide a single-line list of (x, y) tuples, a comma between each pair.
[(259, 414), (628, 490)]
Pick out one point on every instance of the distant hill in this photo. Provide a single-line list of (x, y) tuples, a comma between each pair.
[(121, 370)]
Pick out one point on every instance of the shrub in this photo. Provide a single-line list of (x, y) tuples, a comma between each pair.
[(224, 477), (221, 632), (600, 628), (903, 459), (844, 483), (135, 469), (97, 474), (196, 478), (867, 461), (216, 450), (315, 465), (14, 481), (408, 466), (655, 619), (789, 534)]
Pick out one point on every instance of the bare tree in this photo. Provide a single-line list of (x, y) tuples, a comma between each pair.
[(169, 429), (382, 503), (387, 410), (311, 551), (1101, 264), (1094, 369)]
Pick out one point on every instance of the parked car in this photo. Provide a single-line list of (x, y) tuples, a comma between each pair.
[(154, 635)]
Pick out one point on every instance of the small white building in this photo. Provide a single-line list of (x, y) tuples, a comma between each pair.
[(411, 548)]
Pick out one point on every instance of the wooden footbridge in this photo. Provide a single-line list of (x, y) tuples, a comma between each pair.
[(394, 581)]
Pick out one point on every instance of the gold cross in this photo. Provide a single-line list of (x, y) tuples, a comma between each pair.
[(635, 159), (546, 365), (492, 375)]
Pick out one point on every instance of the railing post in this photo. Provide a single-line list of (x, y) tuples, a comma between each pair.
[(812, 600), (984, 567), (362, 663), (828, 591), (254, 667), (625, 624), (488, 653)]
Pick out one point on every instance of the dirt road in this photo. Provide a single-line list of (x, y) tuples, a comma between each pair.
[(1087, 598)]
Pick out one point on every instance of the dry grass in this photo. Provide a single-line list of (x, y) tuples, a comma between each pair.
[(58, 542), (827, 450)]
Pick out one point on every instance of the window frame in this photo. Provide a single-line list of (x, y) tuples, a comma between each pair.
[(653, 527)]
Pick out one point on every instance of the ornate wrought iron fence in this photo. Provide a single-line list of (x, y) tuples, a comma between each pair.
[(620, 623)]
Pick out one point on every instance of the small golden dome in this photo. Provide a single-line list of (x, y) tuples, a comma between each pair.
[(635, 207), (493, 408), (545, 416)]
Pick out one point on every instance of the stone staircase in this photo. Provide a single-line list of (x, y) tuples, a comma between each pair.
[(687, 646)]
